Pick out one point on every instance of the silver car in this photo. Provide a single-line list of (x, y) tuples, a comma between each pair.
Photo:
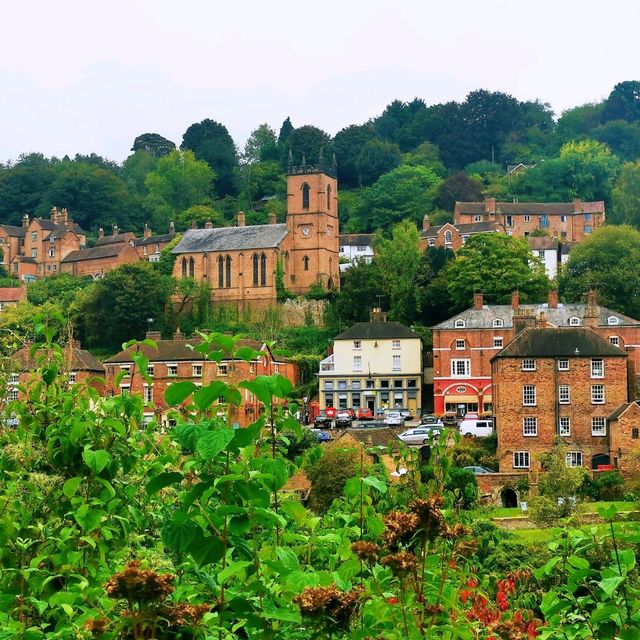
[(420, 435), (394, 419)]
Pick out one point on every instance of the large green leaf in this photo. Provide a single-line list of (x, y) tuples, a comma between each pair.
[(89, 519), (178, 392), (375, 483), (180, 534), (213, 442), (277, 473), (206, 549), (163, 480), (233, 569), (96, 460), (203, 398), (71, 486)]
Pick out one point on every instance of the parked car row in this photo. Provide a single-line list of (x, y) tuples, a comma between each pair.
[(344, 418)]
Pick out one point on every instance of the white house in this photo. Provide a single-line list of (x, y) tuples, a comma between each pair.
[(546, 249), (354, 247)]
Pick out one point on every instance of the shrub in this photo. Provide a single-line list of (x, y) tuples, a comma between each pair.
[(329, 475), (605, 485)]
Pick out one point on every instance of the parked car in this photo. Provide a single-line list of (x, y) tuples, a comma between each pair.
[(405, 413), (476, 427), (343, 420), (478, 471), (427, 418), (331, 412), (393, 419), (450, 419), (364, 413), (433, 423), (322, 436), (420, 435), (322, 419)]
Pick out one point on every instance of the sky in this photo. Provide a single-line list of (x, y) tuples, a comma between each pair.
[(80, 76)]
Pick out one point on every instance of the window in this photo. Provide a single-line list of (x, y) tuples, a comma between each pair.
[(432, 242), (529, 395), (527, 218), (255, 270), (34, 236), (72, 377), (34, 253), (357, 344), (355, 384), (369, 384), (614, 340), (125, 389), (357, 363), (498, 343), (509, 221), (530, 426), (460, 368), (192, 267), (342, 385), (52, 253), (520, 459), (635, 433), (613, 320), (172, 369), (328, 197), (263, 270), (328, 385), (460, 344), (411, 384), (228, 274), (397, 384), (220, 272), (447, 237), (13, 394), (563, 364), (574, 322), (305, 263), (477, 218), (305, 196), (223, 369), (459, 324), (563, 218), (150, 370), (126, 369), (529, 364), (15, 378), (395, 344), (544, 221), (384, 384), (574, 458), (564, 394), (184, 267), (597, 368), (598, 426), (396, 363), (564, 426), (196, 371), (587, 230), (541, 255), (498, 322), (597, 394), (148, 393), (587, 217)]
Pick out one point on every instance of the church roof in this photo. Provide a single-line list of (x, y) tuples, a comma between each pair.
[(260, 236)]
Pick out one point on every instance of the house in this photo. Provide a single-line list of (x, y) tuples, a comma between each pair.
[(547, 249), (376, 364), (557, 383), (355, 247), (566, 221), (453, 236), (11, 243), (80, 367), (98, 260), (175, 360), (149, 247), (624, 429), (251, 264), (10, 296), (464, 344)]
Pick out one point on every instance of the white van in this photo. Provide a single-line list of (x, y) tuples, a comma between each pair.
[(476, 427)]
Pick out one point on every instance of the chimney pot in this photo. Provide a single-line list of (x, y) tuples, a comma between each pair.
[(552, 300), (273, 219), (147, 232), (515, 300), (194, 224), (25, 220), (377, 315), (425, 223), (100, 232), (116, 230), (592, 298), (478, 301), (242, 219), (208, 224), (172, 227)]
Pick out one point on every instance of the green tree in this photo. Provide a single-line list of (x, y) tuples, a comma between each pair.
[(135, 170), (210, 141), (61, 288), (375, 159), (261, 146), (457, 187), (497, 265), (434, 303), (360, 284), (577, 123), (623, 102), (328, 476), (623, 138), (264, 179), (200, 214), (626, 196), (348, 145), (609, 261), (307, 141), (153, 143), (397, 260), (286, 130)]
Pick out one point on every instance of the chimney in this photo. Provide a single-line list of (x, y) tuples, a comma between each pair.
[(577, 205), (592, 298), (172, 227), (154, 335), (273, 218), (478, 302), (54, 214), (425, 223), (552, 300), (515, 300), (116, 230), (377, 315), (208, 224), (241, 219), (542, 320), (523, 318), (64, 218), (100, 232), (490, 205), (25, 220), (592, 312), (178, 335), (194, 224), (147, 232)]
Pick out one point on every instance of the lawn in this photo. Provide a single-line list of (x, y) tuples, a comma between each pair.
[(537, 536), (584, 507)]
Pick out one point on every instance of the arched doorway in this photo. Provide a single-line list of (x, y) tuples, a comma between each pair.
[(330, 284), (598, 459), (509, 498)]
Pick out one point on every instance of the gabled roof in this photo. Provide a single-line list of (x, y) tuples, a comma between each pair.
[(568, 342), (115, 239), (356, 239), (166, 237), (11, 294), (50, 225), (14, 231), (541, 243), (381, 437), (622, 409), (81, 359), (96, 253), (376, 331), (464, 229), (260, 236)]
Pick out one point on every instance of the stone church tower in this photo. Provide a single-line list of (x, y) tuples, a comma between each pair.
[(312, 226)]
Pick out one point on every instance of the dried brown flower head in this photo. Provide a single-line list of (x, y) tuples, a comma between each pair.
[(401, 563), (181, 615), (338, 605), (97, 626), (367, 551), (399, 527), (455, 532), (139, 585), (429, 515)]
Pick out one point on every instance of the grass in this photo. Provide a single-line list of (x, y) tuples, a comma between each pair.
[(537, 536), (584, 507)]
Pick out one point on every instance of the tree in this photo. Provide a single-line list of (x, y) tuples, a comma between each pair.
[(307, 141), (626, 196), (348, 144), (153, 143), (61, 288), (261, 146), (397, 260), (623, 102), (264, 179), (457, 187), (577, 123), (497, 265), (200, 214), (328, 476), (376, 159), (286, 129), (135, 170), (210, 141), (433, 301), (360, 285), (609, 261), (623, 138), (116, 308)]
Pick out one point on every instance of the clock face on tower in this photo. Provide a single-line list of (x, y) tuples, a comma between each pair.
[(306, 231)]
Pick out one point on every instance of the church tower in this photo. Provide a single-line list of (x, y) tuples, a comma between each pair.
[(312, 226)]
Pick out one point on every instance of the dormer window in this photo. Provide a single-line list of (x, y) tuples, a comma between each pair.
[(459, 324), (574, 322), (498, 322), (613, 320)]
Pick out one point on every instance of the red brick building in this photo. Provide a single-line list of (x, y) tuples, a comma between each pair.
[(10, 296), (553, 384), (173, 361), (95, 262), (624, 427), (453, 236), (566, 221), (464, 344)]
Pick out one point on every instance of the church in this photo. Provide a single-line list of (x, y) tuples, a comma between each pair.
[(243, 263)]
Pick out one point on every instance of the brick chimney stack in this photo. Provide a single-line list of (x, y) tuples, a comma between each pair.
[(478, 301), (552, 300), (523, 319), (100, 232), (63, 217), (153, 335), (242, 219), (273, 219), (194, 224), (208, 224), (515, 300), (577, 205), (490, 205), (377, 315), (425, 223), (592, 312), (116, 230), (25, 220), (147, 232), (172, 227)]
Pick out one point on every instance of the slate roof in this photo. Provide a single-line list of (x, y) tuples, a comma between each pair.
[(381, 437), (118, 238), (95, 253), (532, 208), (167, 237), (356, 239), (464, 229), (620, 410), (81, 359), (50, 225), (376, 331), (483, 318), (567, 342), (540, 243), (13, 230), (260, 236)]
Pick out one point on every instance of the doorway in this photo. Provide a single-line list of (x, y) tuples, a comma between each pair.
[(509, 498)]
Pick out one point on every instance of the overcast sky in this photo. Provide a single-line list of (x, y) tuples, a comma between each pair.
[(80, 76)]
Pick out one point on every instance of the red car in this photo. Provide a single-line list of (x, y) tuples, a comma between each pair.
[(364, 413), (330, 412)]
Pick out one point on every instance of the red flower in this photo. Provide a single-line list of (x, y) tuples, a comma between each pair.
[(392, 600)]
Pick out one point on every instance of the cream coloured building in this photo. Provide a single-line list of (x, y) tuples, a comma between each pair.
[(374, 364)]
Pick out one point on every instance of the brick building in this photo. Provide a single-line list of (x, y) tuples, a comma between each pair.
[(566, 221), (11, 243), (453, 236), (149, 247), (464, 344), (95, 262), (174, 361), (10, 296), (624, 427), (554, 384), (241, 262)]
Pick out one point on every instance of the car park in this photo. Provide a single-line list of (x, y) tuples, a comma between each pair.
[(322, 436), (322, 419), (420, 435), (343, 420), (450, 419), (364, 413), (406, 414), (393, 419), (476, 427), (435, 423), (478, 471), (427, 418)]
